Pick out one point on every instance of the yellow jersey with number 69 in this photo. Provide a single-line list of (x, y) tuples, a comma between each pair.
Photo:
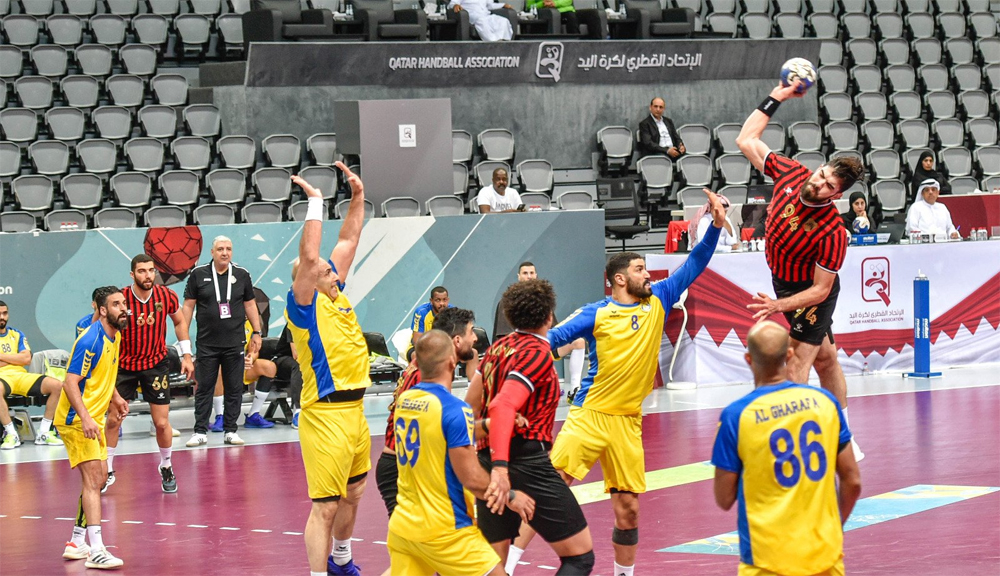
[(783, 441), (95, 358), (333, 355), (431, 500)]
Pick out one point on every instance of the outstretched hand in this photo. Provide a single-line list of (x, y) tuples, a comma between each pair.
[(796, 89), (357, 187), (718, 210), (764, 307), (308, 188)]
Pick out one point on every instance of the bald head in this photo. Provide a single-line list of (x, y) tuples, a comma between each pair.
[(435, 355), (767, 350)]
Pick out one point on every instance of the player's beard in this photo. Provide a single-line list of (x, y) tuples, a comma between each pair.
[(3, 325), (120, 321), (639, 289), (466, 355), (809, 193), (147, 285)]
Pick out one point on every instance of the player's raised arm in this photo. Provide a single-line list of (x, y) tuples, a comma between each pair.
[(580, 324), (350, 232), (749, 140), (670, 289), (304, 284)]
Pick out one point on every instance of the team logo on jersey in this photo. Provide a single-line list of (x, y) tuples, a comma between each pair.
[(345, 310), (88, 359), (810, 225), (646, 307), (788, 191), (158, 306)]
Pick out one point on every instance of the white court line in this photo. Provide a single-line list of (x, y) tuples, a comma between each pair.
[(165, 524), (293, 533), (70, 519), (261, 531), (227, 528), (357, 539), (31, 517), (131, 522), (544, 567), (196, 526), (379, 542)]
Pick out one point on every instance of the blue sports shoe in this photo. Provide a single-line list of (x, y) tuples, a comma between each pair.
[(295, 421), (255, 420), (349, 569), (217, 425)]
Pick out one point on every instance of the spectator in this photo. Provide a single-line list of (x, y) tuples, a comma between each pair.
[(703, 219), (856, 218), (657, 135), (925, 171), (498, 197), (225, 300), (927, 215), (423, 316), (491, 27), (566, 11)]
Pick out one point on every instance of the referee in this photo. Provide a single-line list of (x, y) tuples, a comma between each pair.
[(223, 294)]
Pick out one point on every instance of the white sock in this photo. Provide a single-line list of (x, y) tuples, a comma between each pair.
[(217, 404), (513, 555), (111, 458), (323, 573), (574, 365), (79, 535), (9, 429), (258, 401), (623, 570), (844, 410), (341, 551), (94, 533), (46, 427), (165, 457)]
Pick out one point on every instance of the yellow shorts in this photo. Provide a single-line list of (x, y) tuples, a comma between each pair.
[(79, 448), (748, 570), (20, 383), (589, 436), (461, 553), (336, 446)]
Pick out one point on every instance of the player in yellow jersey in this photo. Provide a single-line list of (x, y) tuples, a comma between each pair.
[(15, 354), (431, 529), (88, 394), (776, 453), (604, 424), (333, 357)]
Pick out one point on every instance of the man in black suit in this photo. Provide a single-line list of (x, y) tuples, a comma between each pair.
[(657, 135)]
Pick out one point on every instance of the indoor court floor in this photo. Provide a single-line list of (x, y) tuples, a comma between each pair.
[(930, 503)]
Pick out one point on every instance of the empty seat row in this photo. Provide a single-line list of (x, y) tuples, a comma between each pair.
[(86, 8), (108, 122)]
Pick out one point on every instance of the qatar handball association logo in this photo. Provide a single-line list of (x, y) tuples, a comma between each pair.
[(875, 280), (550, 59)]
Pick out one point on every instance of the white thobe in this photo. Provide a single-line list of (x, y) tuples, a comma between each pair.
[(931, 219), (490, 26)]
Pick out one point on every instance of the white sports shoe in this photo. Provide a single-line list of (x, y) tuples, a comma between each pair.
[(858, 454), (49, 439), (74, 552), (173, 431), (197, 440), (234, 439), (101, 559)]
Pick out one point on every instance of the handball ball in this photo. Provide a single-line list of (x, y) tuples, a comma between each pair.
[(798, 69)]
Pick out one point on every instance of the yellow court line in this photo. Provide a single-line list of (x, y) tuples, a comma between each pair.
[(655, 480)]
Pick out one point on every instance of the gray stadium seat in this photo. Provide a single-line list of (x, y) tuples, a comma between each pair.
[(445, 205), (34, 92), (831, 52), (496, 144), (180, 188), (871, 106), (191, 153), (906, 105), (723, 24), (616, 144), (989, 49), (17, 221), (735, 193), (11, 62), (237, 152), (867, 78), (206, 7), (725, 137), (460, 179), (94, 60), (889, 25), (982, 131), (790, 25), (956, 161), (49, 60), (65, 29), (691, 196), (227, 186), (974, 104), (901, 78), (132, 190), (892, 193), (962, 185), (108, 29), (949, 132), (214, 214), (960, 51), (165, 217), (810, 159), (837, 106), (341, 208), (940, 104), (920, 25), (967, 76), (18, 125), (10, 162), (49, 157), (824, 25), (73, 219), (322, 148), (575, 200), (272, 185), (833, 78), (915, 133), (774, 136), (988, 160), (484, 171), (158, 121), (66, 123), (127, 8), (112, 122), (894, 51), (842, 135), (532, 199), (951, 25), (733, 168), (879, 134), (202, 120), (806, 136), (169, 89), (83, 191), (297, 211), (261, 213), (126, 90), (282, 151), (535, 176), (695, 170), (991, 183), (323, 178), (697, 138), (138, 59), (230, 27), (863, 51), (166, 8), (21, 30), (194, 32), (400, 206), (33, 193), (152, 30), (884, 163), (856, 25), (114, 218), (912, 155), (144, 154), (757, 26), (97, 156), (657, 173), (80, 91)]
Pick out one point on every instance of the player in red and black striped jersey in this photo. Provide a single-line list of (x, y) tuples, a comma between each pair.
[(457, 323), (143, 363), (516, 376), (805, 245)]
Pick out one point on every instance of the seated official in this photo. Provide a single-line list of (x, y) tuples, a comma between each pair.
[(498, 197), (856, 218), (928, 216), (728, 239)]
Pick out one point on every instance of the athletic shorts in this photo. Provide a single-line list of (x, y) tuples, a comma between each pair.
[(462, 552), (335, 447), (615, 441), (154, 383), (557, 513), (386, 475), (748, 570), (811, 324), (22, 384), (79, 448)]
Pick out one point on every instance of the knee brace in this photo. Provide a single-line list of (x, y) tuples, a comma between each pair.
[(580, 565), (625, 537)]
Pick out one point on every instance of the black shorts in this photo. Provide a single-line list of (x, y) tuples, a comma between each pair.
[(557, 513), (154, 382), (386, 475), (812, 323)]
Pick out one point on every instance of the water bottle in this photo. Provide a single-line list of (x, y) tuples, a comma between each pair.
[(621, 8), (534, 11), (864, 370), (350, 10)]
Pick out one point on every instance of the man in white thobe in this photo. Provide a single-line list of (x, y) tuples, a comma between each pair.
[(929, 216), (490, 27)]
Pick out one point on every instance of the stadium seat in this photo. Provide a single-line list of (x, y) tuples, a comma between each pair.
[(193, 33), (735, 193), (206, 7), (919, 25), (445, 205), (97, 156), (616, 144), (158, 121), (49, 157), (871, 106), (948, 132), (33, 193), (790, 25), (180, 188), (856, 25), (191, 153), (695, 170), (127, 8), (831, 52), (65, 30), (114, 218), (963, 185), (906, 105), (988, 160), (697, 138), (691, 196), (535, 176), (341, 208), (842, 135), (912, 155), (21, 30), (884, 164), (940, 104), (165, 217), (991, 184), (214, 214), (127, 90), (900, 78), (322, 149), (34, 92), (496, 144), (169, 89), (323, 178), (974, 104), (959, 50), (202, 120), (11, 62), (152, 30), (723, 24), (915, 133), (879, 134), (94, 60), (19, 125), (806, 136), (261, 213), (988, 49), (227, 186), (982, 131), (956, 162), (484, 171), (657, 174), (272, 185), (80, 91), (863, 51), (866, 78), (892, 193), (230, 27), (66, 123), (833, 78), (144, 154), (239, 152), (282, 151), (543, 201), (756, 26), (49, 60), (297, 210), (112, 123), (575, 200), (774, 136), (894, 51), (810, 159), (725, 137), (733, 169), (824, 25), (836, 107), (10, 162), (460, 179), (133, 190), (17, 221), (56, 219), (888, 25), (108, 29), (400, 206), (967, 77), (462, 147), (951, 25)]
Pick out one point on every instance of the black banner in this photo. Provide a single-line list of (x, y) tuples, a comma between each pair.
[(436, 64)]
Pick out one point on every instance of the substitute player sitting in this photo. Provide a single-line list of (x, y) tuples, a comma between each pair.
[(776, 453), (15, 354), (333, 358), (431, 529), (88, 394)]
